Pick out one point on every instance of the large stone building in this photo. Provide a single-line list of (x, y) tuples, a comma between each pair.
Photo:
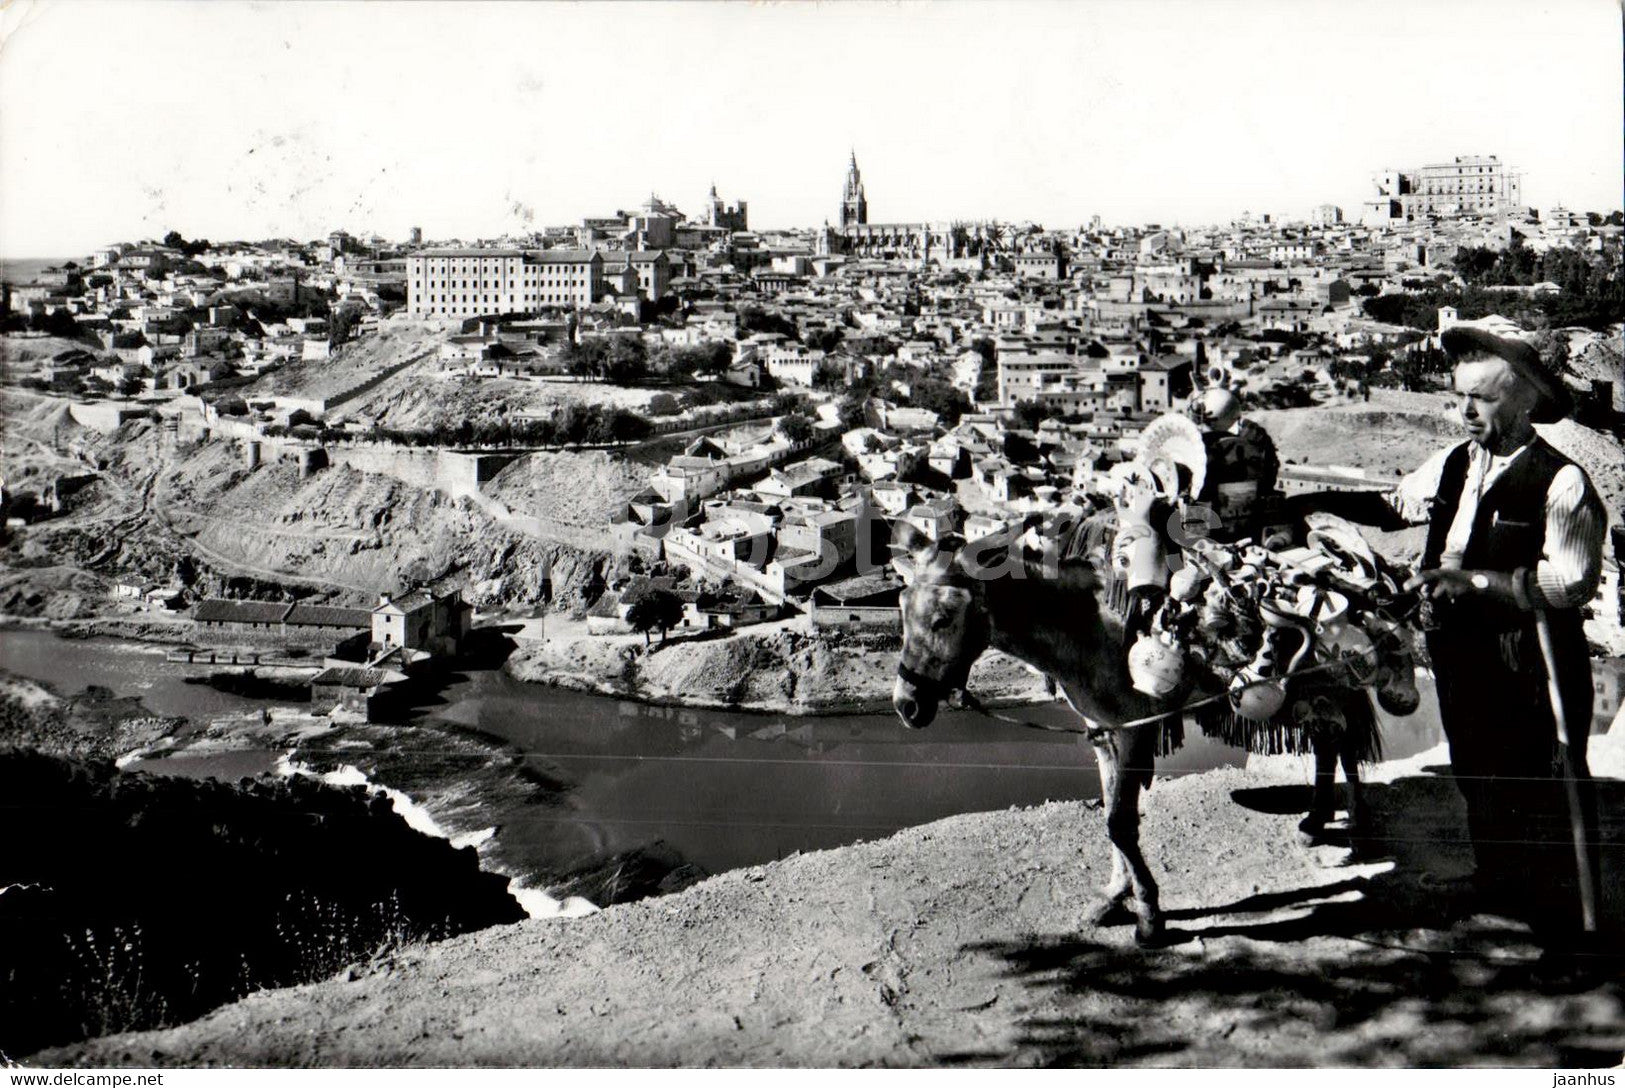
[(480, 282), (718, 214), (476, 282), (1468, 185), (857, 237)]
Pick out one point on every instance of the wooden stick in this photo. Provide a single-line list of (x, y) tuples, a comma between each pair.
[(1571, 782)]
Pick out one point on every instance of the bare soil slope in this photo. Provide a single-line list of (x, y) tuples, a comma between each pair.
[(960, 943), (1396, 431), (355, 533), (777, 667)]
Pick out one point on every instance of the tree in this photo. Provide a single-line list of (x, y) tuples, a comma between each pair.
[(627, 361), (586, 358), (797, 428), (944, 398), (656, 608), (1030, 413), (755, 319), (714, 357), (341, 326), (129, 387), (828, 374), (823, 339)]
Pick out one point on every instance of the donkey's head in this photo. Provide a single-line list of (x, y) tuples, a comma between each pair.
[(945, 622)]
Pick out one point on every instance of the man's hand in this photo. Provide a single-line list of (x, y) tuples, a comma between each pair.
[(1449, 585), (1441, 584)]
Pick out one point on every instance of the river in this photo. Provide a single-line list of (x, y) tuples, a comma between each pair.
[(723, 789)]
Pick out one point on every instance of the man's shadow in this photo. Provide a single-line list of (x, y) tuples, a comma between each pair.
[(1459, 980)]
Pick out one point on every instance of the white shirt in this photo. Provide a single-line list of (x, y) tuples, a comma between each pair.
[(1570, 567)]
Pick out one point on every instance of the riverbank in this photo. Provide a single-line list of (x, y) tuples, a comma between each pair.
[(780, 668), (961, 943)]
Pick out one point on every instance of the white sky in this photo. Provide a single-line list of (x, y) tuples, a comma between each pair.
[(123, 119)]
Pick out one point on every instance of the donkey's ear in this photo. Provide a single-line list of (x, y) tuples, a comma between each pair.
[(986, 557), (906, 538)]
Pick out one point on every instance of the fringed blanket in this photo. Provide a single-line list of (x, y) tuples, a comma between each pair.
[(1318, 707)]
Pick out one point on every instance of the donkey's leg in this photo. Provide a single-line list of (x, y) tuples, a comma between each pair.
[(1321, 805), (1359, 814), (1110, 909), (1135, 751)]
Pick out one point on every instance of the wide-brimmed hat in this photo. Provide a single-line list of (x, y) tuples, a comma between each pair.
[(1460, 341)]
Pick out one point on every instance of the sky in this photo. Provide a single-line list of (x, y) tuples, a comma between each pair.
[(225, 120)]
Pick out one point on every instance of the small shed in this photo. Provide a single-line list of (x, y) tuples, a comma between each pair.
[(351, 688)]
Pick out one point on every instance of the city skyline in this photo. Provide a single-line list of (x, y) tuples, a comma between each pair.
[(247, 121)]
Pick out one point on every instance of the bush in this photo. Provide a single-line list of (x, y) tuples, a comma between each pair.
[(571, 424)]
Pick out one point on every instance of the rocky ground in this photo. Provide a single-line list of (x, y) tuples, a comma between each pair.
[(344, 534), (777, 667), (961, 943), (94, 724)]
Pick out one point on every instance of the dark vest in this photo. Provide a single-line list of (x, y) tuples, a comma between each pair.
[(1509, 533)]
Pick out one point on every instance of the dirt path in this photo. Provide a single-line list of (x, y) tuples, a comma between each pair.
[(960, 943)]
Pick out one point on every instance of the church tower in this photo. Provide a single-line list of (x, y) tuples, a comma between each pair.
[(854, 206)]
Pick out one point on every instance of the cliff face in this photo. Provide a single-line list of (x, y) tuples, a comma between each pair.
[(132, 901), (776, 668), (160, 510)]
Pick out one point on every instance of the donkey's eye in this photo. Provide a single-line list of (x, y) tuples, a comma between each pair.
[(941, 621)]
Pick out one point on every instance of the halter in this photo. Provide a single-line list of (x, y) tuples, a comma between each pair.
[(927, 686), (931, 687)]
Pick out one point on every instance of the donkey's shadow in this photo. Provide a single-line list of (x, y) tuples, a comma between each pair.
[(1417, 825), (1417, 953)]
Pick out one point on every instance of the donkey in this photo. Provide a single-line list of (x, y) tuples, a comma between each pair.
[(962, 599)]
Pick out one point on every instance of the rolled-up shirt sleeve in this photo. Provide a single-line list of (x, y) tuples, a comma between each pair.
[(1413, 497), (1570, 567)]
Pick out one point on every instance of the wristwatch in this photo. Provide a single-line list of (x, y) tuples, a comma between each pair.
[(1481, 582)]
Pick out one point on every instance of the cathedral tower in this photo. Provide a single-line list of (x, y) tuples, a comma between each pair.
[(854, 206)]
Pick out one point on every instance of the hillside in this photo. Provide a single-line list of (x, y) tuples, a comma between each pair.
[(420, 397), (349, 533), (959, 943), (1396, 431), (775, 667)]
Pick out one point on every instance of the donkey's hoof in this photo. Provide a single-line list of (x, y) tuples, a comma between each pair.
[(1110, 912), (1150, 934), (1311, 831)]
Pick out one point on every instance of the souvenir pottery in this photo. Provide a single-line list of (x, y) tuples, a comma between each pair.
[(1137, 557), (1156, 666), (1257, 692), (1188, 583), (1341, 541), (1396, 677), (1172, 447)]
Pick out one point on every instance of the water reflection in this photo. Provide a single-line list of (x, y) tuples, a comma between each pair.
[(726, 789)]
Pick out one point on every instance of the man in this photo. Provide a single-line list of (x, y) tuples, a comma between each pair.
[(1618, 533), (1242, 466), (1514, 529)]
